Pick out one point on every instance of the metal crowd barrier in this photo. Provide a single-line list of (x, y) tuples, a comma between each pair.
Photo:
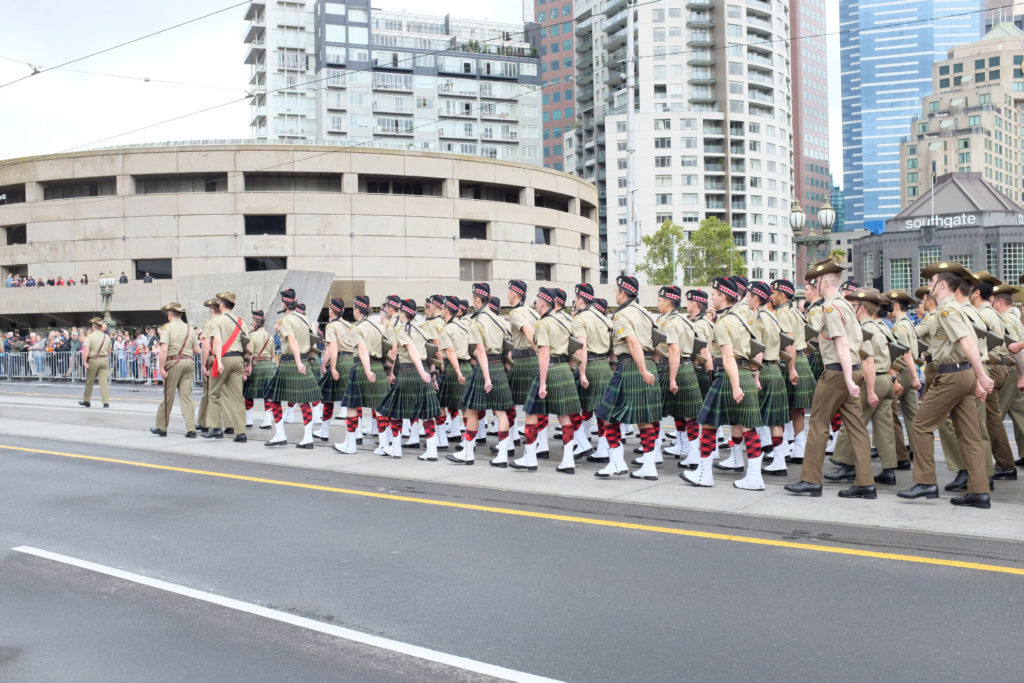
[(66, 366)]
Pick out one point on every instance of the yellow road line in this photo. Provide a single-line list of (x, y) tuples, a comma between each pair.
[(896, 557), (78, 396)]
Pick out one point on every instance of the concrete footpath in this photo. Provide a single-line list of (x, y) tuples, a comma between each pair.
[(52, 412)]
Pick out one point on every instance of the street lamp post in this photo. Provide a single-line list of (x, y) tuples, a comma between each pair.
[(811, 241), (107, 282)]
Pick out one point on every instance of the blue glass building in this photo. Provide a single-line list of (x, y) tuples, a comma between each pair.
[(887, 51)]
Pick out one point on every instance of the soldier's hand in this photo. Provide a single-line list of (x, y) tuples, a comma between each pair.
[(673, 387), (917, 383), (85, 365), (300, 367), (488, 386), (334, 374), (853, 388), (898, 388), (391, 378), (987, 383), (542, 392), (584, 382), (980, 393), (163, 373), (794, 377), (462, 378), (372, 377), (737, 394), (648, 377), (872, 399), (425, 376)]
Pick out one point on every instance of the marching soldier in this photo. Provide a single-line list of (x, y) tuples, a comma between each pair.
[(839, 342), (1011, 398), (523, 355), (876, 391), (213, 306), (954, 350), (998, 359), (553, 390), (177, 368), (294, 381), (367, 382), (259, 370), (432, 325), (632, 396), (95, 360), (814, 310), (732, 398), (905, 401), (592, 328), (696, 310), (335, 366), (773, 396), (229, 340), (800, 379), (454, 346)]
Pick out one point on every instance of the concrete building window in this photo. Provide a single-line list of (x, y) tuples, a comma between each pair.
[(474, 271), (472, 230), (158, 268), (13, 269), (899, 273), (489, 192), (551, 200), (584, 242), (542, 235), (12, 194), (70, 189), (407, 186), (543, 272), (15, 234), (176, 184), (965, 260), (992, 259), (1013, 259), (869, 269), (259, 263), (929, 254), (265, 225)]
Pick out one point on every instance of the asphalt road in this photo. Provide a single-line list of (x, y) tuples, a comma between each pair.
[(561, 599)]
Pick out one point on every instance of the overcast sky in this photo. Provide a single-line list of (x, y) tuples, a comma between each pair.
[(195, 67)]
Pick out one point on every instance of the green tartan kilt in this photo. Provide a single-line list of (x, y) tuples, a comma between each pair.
[(520, 378), (287, 385), (720, 409), (500, 396), (685, 404), (599, 373), (773, 399), (333, 389), (562, 398), (360, 392), (817, 365), (628, 399), (801, 395), (449, 393), (703, 378), (257, 382), (410, 398)]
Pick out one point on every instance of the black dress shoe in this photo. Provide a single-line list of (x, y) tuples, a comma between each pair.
[(190, 435), (1004, 474), (773, 473), (859, 492), (229, 430), (594, 458), (544, 455), (321, 438), (580, 455), (502, 465), (567, 470), (904, 465), (790, 460), (240, 438), (804, 487), (106, 405), (974, 500), (84, 403), (638, 450), (959, 482), (723, 468), (1019, 462), (306, 446), (681, 465), (833, 461), (920, 491), (874, 452), (844, 473), (272, 444), (634, 475), (886, 476), (213, 434), (266, 427), (523, 468), (201, 429), (158, 432)]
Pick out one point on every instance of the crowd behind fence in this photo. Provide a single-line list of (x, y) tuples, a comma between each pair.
[(66, 366)]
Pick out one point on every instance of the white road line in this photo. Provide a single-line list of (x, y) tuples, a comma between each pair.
[(302, 622)]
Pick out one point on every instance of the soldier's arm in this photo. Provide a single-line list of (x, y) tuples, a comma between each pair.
[(637, 352), (293, 346), (162, 359), (869, 379)]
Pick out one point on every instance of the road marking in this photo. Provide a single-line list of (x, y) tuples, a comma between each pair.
[(75, 396), (408, 649), (836, 550)]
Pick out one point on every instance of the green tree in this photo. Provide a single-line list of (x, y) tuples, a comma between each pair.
[(662, 251), (712, 253), (837, 255)]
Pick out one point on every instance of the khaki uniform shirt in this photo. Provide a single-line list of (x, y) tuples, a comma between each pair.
[(294, 325), (632, 320), (815, 313), (974, 318), (589, 324), (224, 326), (793, 325), (455, 336), (948, 326), (679, 331), (553, 332), (262, 344), (770, 337), (838, 320), (99, 344), (704, 328), (905, 333), (518, 317), (878, 347), (340, 332), (432, 327), (178, 338), (994, 323), (371, 334), (1013, 324), (411, 334), (731, 329), (488, 330)]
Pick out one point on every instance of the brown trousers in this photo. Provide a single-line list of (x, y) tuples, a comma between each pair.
[(951, 394), (179, 379), (907, 404), (227, 405), (880, 418), (829, 397), (994, 420)]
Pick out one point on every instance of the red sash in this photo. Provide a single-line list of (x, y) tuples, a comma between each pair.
[(227, 345)]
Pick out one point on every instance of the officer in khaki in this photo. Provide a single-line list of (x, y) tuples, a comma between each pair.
[(998, 360), (1011, 399), (95, 360), (177, 367), (227, 406), (839, 343), (876, 386), (207, 362), (955, 353), (906, 402)]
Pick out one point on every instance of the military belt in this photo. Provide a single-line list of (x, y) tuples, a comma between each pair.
[(522, 353), (953, 367), (495, 357), (231, 354), (838, 367)]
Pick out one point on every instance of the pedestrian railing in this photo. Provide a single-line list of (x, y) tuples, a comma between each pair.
[(66, 366)]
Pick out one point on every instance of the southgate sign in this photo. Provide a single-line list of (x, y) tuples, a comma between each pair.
[(961, 220)]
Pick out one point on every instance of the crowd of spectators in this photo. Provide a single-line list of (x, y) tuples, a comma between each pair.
[(16, 280)]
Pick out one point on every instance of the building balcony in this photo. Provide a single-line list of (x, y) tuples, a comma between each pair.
[(404, 132), (702, 95), (760, 6), (612, 6), (456, 113), (614, 23), (712, 186), (758, 96), (759, 46), (616, 39), (700, 4), (584, 26), (713, 131), (614, 78), (700, 58), (714, 168), (757, 22), (257, 8), (713, 205), (255, 31), (700, 20), (759, 60), (700, 39), (714, 149), (392, 107), (701, 78), (256, 53)]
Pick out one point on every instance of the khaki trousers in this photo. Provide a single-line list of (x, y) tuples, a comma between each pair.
[(1001, 452), (1011, 402), (98, 370), (179, 379), (831, 396), (954, 456), (907, 404), (880, 418), (227, 406), (204, 404), (952, 395)]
